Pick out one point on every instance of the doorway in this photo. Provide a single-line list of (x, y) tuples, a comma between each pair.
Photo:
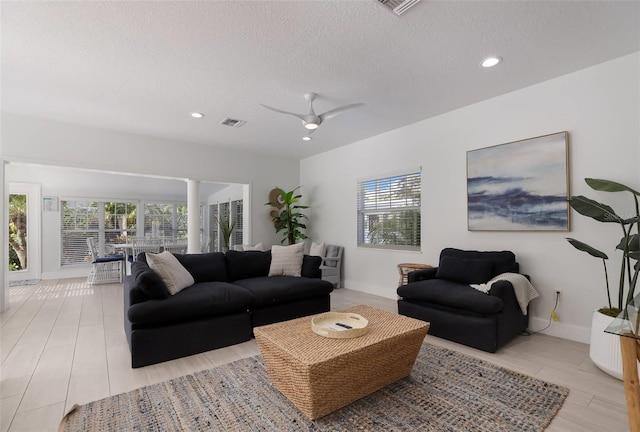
[(24, 231)]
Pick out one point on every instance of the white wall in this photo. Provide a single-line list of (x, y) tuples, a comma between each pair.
[(599, 106), (48, 142)]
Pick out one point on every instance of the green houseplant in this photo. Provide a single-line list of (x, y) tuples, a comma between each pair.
[(226, 229), (629, 243), (604, 349), (286, 214)]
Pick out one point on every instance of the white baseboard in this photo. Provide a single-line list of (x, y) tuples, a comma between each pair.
[(560, 329)]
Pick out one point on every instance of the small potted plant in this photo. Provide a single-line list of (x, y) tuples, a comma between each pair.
[(605, 348)]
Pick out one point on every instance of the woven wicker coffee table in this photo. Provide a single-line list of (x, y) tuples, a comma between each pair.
[(320, 375)]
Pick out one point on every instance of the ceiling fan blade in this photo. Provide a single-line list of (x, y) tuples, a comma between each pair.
[(300, 116), (334, 112)]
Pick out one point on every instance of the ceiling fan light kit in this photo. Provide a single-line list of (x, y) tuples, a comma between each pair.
[(311, 121)]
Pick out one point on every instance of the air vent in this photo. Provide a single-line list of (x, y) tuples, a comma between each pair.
[(398, 7), (232, 122)]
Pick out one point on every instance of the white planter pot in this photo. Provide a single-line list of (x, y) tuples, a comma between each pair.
[(605, 347)]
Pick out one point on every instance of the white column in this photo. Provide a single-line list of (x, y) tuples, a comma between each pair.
[(4, 241), (193, 216)]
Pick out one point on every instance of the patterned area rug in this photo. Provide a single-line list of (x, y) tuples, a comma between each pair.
[(446, 391)]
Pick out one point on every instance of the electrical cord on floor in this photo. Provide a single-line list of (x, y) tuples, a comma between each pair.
[(551, 315)]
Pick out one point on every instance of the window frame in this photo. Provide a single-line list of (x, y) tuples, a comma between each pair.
[(386, 185)]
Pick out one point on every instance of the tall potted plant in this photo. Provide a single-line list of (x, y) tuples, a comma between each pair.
[(286, 214), (226, 229), (605, 348)]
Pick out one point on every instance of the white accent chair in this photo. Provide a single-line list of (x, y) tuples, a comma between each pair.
[(142, 244), (109, 269), (332, 265), (175, 246)]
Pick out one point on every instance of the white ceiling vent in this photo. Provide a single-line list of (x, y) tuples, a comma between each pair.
[(232, 122), (398, 6)]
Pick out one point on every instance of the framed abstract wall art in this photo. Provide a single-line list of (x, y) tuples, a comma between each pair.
[(520, 186)]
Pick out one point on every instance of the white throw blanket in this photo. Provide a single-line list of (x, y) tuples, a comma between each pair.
[(525, 292)]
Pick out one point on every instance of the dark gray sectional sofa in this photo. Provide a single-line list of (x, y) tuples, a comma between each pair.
[(231, 295)]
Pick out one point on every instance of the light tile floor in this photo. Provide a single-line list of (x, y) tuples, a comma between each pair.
[(62, 342)]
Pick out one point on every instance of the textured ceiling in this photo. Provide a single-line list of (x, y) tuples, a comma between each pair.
[(142, 67)]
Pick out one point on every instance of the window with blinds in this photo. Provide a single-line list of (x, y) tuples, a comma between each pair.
[(236, 216), (105, 222), (389, 212), (213, 228), (170, 220)]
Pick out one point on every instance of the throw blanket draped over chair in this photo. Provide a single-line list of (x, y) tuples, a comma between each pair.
[(525, 292)]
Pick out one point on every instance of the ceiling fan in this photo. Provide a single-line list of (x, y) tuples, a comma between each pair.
[(311, 121)]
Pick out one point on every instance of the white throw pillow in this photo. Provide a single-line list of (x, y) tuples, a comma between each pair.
[(317, 249), (286, 260), (174, 275), (257, 247)]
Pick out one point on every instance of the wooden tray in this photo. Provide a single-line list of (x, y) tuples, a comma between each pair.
[(326, 325)]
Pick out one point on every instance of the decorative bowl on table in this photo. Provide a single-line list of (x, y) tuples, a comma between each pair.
[(339, 325)]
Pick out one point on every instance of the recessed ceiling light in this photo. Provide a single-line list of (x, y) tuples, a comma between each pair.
[(306, 138), (490, 62), (196, 115)]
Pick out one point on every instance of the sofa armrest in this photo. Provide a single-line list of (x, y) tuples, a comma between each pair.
[(504, 290), (423, 274), (132, 292)]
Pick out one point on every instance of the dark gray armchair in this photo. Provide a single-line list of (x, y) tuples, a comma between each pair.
[(443, 296)]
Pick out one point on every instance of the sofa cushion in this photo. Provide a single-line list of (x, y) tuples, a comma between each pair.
[(149, 281), (311, 266), (465, 270), (286, 260), (503, 261), (243, 265), (452, 294), (279, 289), (207, 267), (202, 300)]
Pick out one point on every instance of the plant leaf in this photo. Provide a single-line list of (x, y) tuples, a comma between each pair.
[(609, 186), (633, 242), (586, 248), (593, 209)]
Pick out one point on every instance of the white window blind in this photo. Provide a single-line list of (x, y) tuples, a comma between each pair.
[(236, 216), (213, 228), (105, 222), (389, 212), (171, 219)]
